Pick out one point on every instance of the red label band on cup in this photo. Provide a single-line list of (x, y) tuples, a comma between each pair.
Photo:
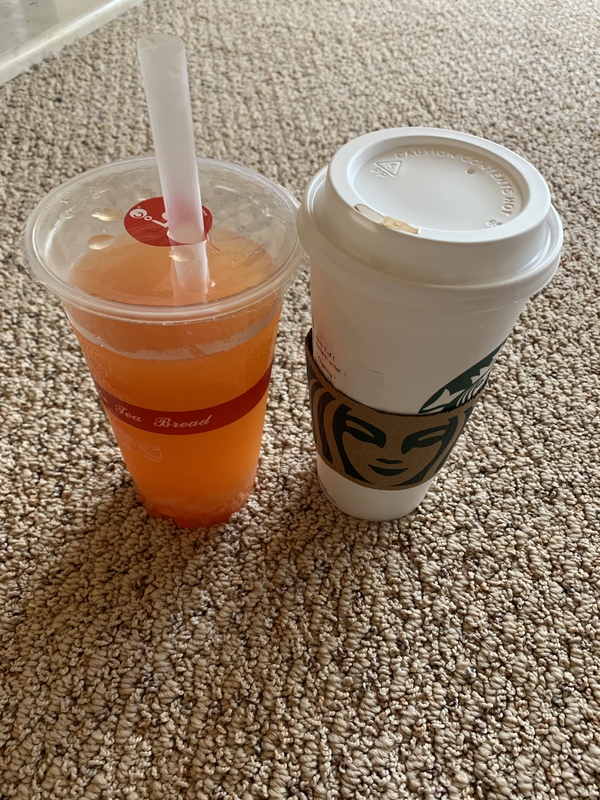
[(147, 222), (182, 423)]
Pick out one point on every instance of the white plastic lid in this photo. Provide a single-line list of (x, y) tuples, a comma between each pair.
[(434, 208)]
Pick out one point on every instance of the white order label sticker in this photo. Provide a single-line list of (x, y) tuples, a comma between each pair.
[(345, 373)]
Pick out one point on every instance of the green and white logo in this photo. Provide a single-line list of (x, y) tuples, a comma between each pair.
[(461, 389)]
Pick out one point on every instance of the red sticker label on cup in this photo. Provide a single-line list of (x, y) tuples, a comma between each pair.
[(179, 423), (147, 222)]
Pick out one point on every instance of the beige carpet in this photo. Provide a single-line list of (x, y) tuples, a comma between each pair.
[(294, 652)]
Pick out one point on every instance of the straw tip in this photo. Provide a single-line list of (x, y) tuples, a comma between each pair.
[(160, 43)]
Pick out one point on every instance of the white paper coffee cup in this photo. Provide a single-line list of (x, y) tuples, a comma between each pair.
[(425, 245)]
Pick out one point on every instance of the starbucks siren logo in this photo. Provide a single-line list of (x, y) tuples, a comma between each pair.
[(461, 389)]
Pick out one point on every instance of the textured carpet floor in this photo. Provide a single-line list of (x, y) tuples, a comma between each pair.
[(294, 652)]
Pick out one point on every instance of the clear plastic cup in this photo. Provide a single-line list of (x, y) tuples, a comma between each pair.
[(424, 247), (183, 376)]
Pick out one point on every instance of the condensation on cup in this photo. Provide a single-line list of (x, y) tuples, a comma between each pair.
[(424, 246)]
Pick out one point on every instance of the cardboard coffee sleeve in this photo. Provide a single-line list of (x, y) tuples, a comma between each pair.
[(375, 448)]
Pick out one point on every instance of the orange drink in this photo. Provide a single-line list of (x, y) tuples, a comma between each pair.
[(207, 398), (182, 370)]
